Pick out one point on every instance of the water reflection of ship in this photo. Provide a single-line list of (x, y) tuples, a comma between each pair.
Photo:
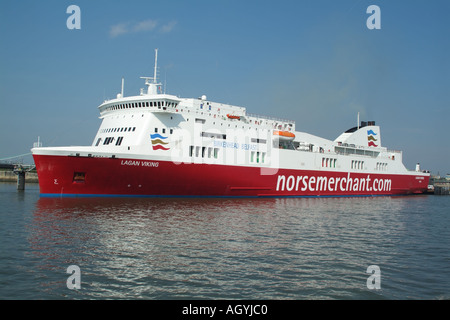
[(136, 247)]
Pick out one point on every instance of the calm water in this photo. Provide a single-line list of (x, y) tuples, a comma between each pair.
[(306, 248)]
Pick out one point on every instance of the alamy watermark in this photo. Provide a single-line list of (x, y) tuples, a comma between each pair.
[(374, 21), (374, 281), (74, 20), (74, 280)]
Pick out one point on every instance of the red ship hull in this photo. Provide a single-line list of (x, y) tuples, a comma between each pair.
[(90, 176)]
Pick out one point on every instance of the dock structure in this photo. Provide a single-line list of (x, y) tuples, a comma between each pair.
[(20, 173), (442, 189), (440, 185), (12, 169)]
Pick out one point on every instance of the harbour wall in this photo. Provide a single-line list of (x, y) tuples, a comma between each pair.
[(441, 185), (442, 188), (9, 176)]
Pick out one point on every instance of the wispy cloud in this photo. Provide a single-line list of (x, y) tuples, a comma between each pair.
[(147, 25), (118, 30), (141, 26), (168, 27)]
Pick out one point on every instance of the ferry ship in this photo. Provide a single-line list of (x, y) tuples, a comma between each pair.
[(157, 144)]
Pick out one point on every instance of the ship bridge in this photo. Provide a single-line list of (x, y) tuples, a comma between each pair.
[(152, 99), (150, 103)]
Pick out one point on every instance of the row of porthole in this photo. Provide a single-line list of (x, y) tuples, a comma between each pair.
[(147, 104), (125, 129)]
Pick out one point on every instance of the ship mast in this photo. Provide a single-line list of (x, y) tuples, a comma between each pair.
[(153, 85), (357, 121), (156, 65)]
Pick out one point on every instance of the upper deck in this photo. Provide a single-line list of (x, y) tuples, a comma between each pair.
[(152, 103)]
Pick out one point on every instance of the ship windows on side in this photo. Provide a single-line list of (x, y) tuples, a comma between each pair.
[(345, 149), (255, 140), (214, 135), (329, 162), (257, 157), (108, 140), (206, 152), (359, 165), (163, 130), (381, 166)]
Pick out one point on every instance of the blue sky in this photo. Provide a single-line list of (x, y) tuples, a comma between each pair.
[(315, 62)]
